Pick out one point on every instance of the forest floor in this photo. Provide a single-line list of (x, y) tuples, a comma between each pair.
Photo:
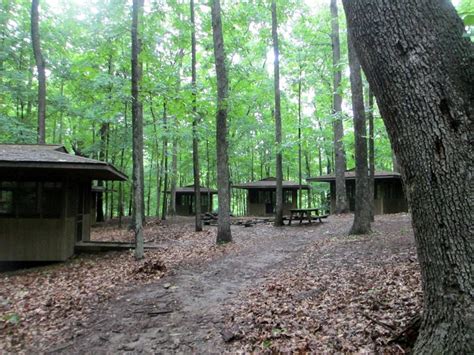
[(303, 287)]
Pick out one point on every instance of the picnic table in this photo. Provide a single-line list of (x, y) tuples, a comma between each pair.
[(305, 214)]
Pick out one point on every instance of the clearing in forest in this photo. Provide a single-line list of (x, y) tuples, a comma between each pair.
[(304, 287)]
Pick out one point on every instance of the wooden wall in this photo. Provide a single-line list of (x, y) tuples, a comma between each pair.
[(46, 239)]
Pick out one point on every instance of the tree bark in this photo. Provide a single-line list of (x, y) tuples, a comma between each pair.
[(223, 227), (137, 127), (208, 177), (40, 65), (196, 169), (308, 173), (362, 215), (300, 174), (122, 168), (370, 114), (165, 163), (174, 176), (421, 70), (277, 113), (100, 195), (338, 128)]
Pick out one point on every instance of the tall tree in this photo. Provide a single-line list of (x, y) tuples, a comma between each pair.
[(421, 70), (362, 215), (223, 188), (277, 114), (340, 160), (370, 114), (137, 127), (174, 176), (40, 66), (196, 169), (165, 162), (300, 174)]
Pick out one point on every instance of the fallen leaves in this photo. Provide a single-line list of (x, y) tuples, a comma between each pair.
[(346, 294), (38, 306), (341, 294)]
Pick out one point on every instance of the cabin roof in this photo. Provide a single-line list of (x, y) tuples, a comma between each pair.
[(350, 175), (31, 160), (190, 188), (270, 183)]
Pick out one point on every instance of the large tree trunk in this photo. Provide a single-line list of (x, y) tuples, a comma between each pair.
[(362, 215), (277, 113), (223, 191), (421, 69), (196, 169), (340, 160), (40, 65), (137, 125)]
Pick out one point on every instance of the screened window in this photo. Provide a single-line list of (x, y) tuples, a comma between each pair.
[(6, 199), (30, 199)]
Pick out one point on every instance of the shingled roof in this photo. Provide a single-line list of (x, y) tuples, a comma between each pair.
[(269, 183), (350, 175), (190, 189), (28, 160)]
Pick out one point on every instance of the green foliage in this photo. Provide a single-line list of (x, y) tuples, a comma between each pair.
[(87, 51)]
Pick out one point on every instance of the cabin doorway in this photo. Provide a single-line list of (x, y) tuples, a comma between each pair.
[(270, 199)]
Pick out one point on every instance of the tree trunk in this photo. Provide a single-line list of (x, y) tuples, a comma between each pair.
[(148, 189), (40, 65), (223, 227), (371, 155), (174, 176), (100, 195), (196, 169), (308, 173), (137, 123), (421, 70), (362, 213), (165, 163), (208, 177), (340, 161), (300, 174), (277, 113)]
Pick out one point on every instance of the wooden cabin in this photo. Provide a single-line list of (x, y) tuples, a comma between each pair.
[(46, 201), (185, 200), (388, 191), (261, 196)]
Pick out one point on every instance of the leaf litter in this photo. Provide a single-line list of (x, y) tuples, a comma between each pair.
[(342, 294), (345, 294)]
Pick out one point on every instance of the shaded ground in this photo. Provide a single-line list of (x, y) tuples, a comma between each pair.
[(293, 288)]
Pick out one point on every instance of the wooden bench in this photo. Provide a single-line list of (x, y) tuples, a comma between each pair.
[(305, 214)]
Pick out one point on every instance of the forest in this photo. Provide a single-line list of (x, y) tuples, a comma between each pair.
[(145, 144)]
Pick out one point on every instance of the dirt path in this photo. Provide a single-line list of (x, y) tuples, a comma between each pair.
[(183, 311)]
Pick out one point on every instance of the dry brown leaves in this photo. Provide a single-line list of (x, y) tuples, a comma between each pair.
[(38, 305), (343, 295)]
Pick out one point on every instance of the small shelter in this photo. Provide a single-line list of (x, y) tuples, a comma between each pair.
[(185, 205), (389, 196), (261, 197), (46, 201)]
